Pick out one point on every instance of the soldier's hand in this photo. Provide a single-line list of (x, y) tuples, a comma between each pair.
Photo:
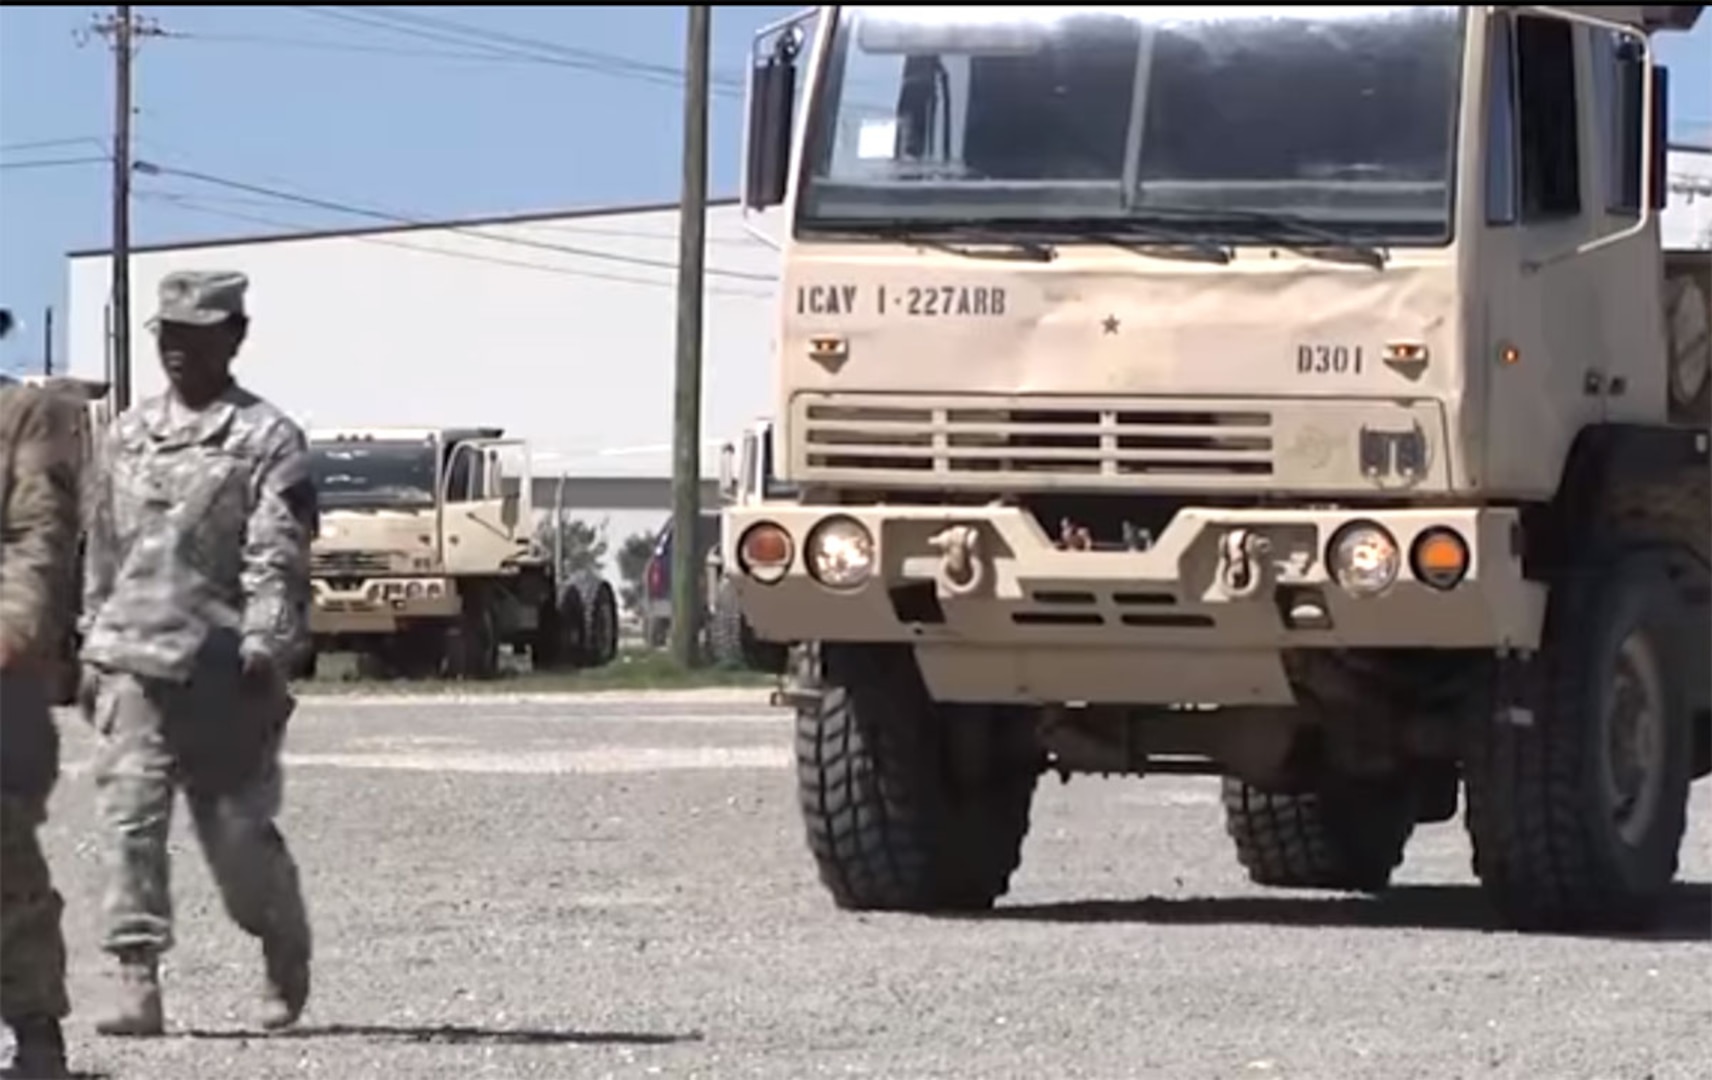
[(260, 676)]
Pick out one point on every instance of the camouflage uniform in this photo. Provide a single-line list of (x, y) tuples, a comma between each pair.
[(38, 533), (198, 555)]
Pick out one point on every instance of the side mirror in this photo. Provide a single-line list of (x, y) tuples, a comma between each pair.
[(727, 474), (1660, 193), (772, 100), (1633, 134)]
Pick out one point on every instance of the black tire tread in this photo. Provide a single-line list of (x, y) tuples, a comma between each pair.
[(888, 830), (1536, 849), (1311, 841)]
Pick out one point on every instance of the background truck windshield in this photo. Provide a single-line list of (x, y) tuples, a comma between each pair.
[(1344, 116), (373, 474)]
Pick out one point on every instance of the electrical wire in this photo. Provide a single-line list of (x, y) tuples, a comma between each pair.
[(193, 204), (152, 169)]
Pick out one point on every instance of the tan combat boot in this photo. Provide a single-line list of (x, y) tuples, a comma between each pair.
[(137, 1005), (287, 987)]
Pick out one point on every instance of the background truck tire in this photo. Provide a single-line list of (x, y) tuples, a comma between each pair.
[(895, 820), (557, 642), (731, 640), (1349, 836), (1543, 796), (472, 645), (599, 645)]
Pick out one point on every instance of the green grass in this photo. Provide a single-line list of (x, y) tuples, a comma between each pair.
[(633, 669)]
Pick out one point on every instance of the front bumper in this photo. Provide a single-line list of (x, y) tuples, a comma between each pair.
[(1164, 625), (381, 605)]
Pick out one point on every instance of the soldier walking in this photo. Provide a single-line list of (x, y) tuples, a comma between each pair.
[(195, 609), (38, 535)]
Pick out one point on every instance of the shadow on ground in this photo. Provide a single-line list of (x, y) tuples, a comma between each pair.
[(455, 1034), (1686, 916)]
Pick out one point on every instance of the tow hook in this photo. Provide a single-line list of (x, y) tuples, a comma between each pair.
[(960, 558), (1241, 553)]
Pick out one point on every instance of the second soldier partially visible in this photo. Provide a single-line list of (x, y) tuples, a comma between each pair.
[(196, 597)]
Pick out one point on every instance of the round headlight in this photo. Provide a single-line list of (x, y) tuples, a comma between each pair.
[(764, 553), (1364, 559), (840, 553)]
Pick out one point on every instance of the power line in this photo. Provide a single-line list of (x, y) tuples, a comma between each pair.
[(500, 45), (195, 205), (50, 144), (327, 45), (54, 163), (152, 169)]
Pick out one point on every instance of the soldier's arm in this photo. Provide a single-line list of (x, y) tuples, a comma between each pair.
[(40, 531), (100, 548), (276, 549)]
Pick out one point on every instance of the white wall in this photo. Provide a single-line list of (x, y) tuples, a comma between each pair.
[(1687, 221), (483, 326)]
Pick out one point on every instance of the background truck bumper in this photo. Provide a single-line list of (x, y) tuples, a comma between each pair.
[(1166, 625)]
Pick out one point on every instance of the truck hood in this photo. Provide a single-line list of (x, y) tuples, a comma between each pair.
[(1107, 321)]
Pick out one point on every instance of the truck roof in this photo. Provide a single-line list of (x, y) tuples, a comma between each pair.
[(1649, 17)]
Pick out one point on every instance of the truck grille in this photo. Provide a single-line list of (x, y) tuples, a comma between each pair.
[(976, 441), (332, 563)]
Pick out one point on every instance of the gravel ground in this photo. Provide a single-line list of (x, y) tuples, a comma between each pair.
[(618, 886)]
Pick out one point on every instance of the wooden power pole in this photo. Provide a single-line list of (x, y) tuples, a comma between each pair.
[(687, 570), (123, 30)]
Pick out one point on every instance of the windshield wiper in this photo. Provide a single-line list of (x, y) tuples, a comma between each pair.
[(1279, 227), (953, 236), (1168, 240)]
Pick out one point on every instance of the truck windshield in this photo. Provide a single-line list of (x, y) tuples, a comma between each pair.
[(1211, 117), (373, 474)]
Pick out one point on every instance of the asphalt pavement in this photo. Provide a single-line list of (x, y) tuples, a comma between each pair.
[(618, 886)]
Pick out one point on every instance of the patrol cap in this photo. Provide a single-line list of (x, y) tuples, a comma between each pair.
[(200, 297)]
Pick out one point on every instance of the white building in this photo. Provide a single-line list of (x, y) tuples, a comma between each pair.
[(1687, 221), (560, 328)]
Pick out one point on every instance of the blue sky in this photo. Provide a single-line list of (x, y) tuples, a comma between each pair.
[(422, 113)]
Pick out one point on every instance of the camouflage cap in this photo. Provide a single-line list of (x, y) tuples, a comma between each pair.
[(200, 297)]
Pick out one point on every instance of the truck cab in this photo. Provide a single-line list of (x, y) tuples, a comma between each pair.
[(1134, 416)]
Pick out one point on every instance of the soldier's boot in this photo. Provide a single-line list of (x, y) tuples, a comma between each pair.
[(287, 987), (137, 1003), (39, 1050)]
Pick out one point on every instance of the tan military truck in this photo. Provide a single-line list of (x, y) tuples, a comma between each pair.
[(430, 559), (1283, 394)]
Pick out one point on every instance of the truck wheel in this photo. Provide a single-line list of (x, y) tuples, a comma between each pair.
[(1577, 806), (896, 819), (552, 647), (472, 646), (1347, 836), (600, 624)]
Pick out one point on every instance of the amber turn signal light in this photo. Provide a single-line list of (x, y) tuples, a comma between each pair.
[(1439, 558)]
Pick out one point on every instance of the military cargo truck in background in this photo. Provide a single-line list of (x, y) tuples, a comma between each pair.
[(1137, 416), (745, 476), (430, 558)]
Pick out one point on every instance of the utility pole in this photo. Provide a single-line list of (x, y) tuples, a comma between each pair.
[(123, 30), (47, 341), (686, 428)]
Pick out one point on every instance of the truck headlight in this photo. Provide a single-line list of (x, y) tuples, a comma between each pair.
[(1364, 558), (764, 553), (840, 553)]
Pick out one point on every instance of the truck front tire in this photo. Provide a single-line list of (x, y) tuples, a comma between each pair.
[(909, 805), (1349, 836), (1578, 787)]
